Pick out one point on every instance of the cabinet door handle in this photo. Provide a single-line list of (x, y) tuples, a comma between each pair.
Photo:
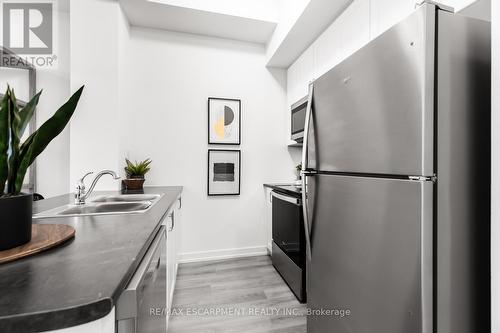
[(180, 202), (172, 218)]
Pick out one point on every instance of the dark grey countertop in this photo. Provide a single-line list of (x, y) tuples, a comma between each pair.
[(81, 280), (292, 189)]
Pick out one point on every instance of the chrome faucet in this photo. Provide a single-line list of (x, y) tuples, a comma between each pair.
[(81, 195)]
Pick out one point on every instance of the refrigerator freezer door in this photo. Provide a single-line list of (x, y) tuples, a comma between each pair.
[(371, 255), (373, 113)]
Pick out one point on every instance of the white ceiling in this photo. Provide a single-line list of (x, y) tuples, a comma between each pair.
[(264, 10), (223, 21)]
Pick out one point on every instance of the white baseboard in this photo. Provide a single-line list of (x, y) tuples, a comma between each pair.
[(223, 254)]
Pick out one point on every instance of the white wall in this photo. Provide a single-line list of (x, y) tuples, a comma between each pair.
[(95, 61), (126, 86), (148, 98), (495, 204), (172, 75), (52, 166)]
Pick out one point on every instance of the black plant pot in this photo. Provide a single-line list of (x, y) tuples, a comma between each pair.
[(15, 220)]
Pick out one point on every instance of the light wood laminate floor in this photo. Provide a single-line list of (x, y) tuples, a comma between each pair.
[(244, 295)]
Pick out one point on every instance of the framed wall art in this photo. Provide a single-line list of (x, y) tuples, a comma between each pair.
[(224, 172), (224, 121)]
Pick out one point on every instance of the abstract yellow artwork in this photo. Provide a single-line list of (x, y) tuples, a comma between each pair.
[(224, 121)]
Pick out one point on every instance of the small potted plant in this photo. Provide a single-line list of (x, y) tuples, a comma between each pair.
[(135, 174), (15, 158), (298, 169)]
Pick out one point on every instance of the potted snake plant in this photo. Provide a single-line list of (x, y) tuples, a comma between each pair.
[(135, 174), (16, 157)]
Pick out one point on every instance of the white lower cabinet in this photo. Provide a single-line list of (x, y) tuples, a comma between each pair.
[(173, 245)]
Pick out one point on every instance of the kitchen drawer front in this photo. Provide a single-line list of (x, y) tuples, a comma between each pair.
[(289, 271)]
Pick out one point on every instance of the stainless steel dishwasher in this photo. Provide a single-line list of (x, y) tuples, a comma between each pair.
[(141, 307)]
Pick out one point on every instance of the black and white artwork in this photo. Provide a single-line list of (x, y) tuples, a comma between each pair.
[(224, 121), (224, 172)]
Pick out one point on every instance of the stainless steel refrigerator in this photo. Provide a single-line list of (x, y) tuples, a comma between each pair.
[(396, 182)]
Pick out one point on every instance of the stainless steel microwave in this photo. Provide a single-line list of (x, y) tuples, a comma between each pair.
[(298, 117)]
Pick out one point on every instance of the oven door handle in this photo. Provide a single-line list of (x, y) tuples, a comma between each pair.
[(286, 198)]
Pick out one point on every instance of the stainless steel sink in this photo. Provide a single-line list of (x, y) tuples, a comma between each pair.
[(105, 205), (126, 198), (107, 208)]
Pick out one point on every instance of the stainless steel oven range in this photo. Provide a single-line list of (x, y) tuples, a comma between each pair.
[(289, 251)]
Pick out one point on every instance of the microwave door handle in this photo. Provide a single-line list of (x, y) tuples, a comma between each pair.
[(305, 159)]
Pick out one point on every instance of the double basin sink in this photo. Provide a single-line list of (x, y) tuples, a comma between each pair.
[(105, 205)]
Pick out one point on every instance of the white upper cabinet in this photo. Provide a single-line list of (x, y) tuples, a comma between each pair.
[(345, 35), (361, 22), (300, 74)]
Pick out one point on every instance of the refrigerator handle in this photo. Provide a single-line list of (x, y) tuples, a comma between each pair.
[(306, 129), (305, 212), (305, 159)]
